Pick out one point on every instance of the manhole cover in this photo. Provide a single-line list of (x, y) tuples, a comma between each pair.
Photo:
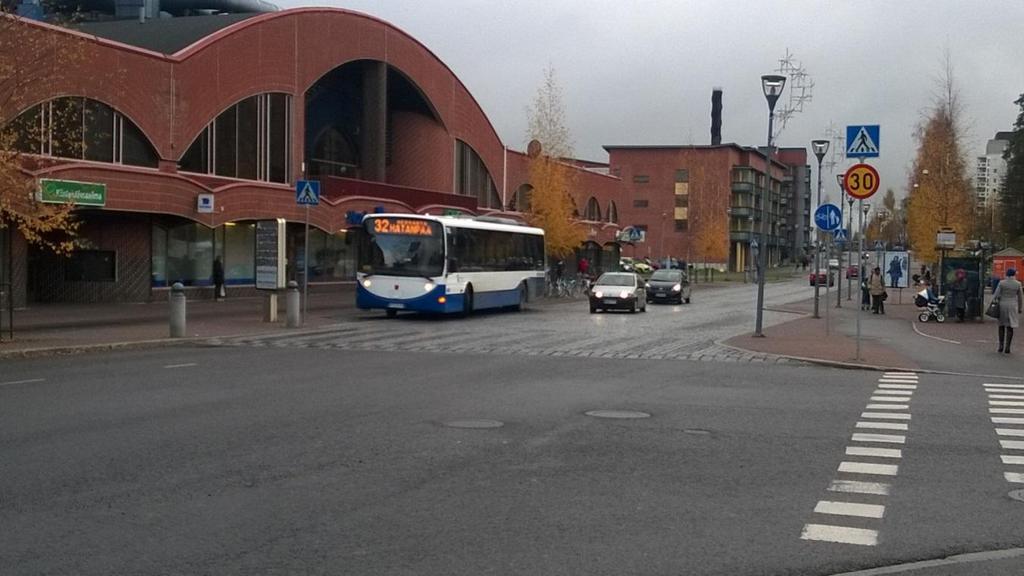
[(1017, 495), (621, 414), (474, 424)]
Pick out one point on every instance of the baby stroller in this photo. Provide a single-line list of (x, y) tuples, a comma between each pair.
[(933, 308)]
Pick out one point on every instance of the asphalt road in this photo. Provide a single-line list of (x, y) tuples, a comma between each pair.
[(296, 459)]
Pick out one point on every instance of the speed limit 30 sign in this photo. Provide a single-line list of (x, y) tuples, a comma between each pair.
[(861, 181)]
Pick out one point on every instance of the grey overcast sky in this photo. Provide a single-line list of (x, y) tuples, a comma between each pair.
[(641, 72)]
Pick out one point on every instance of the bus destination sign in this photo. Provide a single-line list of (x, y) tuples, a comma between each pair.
[(404, 226)]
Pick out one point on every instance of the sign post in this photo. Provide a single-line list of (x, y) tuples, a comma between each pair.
[(307, 193), (861, 181), (826, 218)]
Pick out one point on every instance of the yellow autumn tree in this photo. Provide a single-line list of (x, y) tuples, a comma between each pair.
[(940, 189), (551, 205), (29, 57)]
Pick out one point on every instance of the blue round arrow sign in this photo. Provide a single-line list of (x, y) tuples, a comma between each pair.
[(828, 217)]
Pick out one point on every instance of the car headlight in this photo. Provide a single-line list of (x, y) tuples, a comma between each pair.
[(647, 284), (677, 287), (598, 294), (624, 294)]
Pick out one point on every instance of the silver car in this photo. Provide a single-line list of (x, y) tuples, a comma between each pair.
[(618, 291)]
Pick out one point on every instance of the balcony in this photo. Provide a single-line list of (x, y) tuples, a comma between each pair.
[(741, 211), (747, 187), (740, 236)]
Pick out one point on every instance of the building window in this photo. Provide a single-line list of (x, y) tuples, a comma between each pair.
[(91, 266), (250, 140), (612, 213), (641, 179), (593, 210), (682, 175), (82, 129), (472, 177), (682, 225), (520, 201), (681, 197), (640, 203)]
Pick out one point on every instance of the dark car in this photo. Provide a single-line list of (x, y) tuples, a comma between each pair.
[(668, 285), (618, 291)]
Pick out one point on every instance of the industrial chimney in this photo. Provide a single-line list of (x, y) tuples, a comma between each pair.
[(716, 116)]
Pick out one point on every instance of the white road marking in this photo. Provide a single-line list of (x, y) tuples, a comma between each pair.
[(840, 534), (882, 425), (858, 487), (1000, 420), (874, 452), (1012, 444), (1006, 410), (1006, 396), (885, 438), (29, 381), (894, 399), (185, 365), (898, 386), (888, 406), (885, 415), (1012, 459), (1004, 403), (908, 374), (1015, 477), (1003, 385), (850, 509), (893, 392), (868, 468), (897, 381), (914, 326), (1005, 389), (1018, 432)]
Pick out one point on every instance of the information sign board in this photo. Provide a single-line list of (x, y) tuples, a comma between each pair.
[(270, 251)]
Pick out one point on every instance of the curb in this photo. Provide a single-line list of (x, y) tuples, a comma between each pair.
[(73, 349)]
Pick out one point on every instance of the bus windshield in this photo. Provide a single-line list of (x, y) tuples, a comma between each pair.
[(403, 247)]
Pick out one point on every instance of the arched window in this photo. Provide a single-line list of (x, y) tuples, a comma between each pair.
[(82, 129), (612, 213), (520, 201), (472, 177), (593, 211), (250, 140)]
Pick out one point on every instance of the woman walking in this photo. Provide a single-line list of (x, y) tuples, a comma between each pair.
[(876, 286), (958, 292), (1010, 298)]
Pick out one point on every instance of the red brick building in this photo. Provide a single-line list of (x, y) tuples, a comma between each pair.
[(241, 106)]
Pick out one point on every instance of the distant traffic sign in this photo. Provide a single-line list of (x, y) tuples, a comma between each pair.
[(307, 192), (861, 181), (879, 245), (828, 217), (862, 141), (840, 235)]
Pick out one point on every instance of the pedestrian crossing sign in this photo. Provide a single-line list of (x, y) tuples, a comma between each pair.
[(862, 141), (840, 235), (307, 192)]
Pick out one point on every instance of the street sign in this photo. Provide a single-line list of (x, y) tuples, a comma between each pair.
[(828, 217), (270, 254), (861, 181), (204, 204), (879, 245), (631, 234), (840, 235), (307, 192), (945, 239), (862, 141), (78, 193)]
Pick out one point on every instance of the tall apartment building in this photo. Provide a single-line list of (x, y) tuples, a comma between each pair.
[(990, 170)]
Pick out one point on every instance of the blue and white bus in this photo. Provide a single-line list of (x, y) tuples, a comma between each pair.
[(447, 264)]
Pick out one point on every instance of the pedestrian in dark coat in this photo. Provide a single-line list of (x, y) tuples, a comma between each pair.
[(1010, 299), (876, 286), (958, 295), (218, 279)]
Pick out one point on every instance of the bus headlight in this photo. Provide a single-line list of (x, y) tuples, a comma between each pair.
[(367, 283), (428, 286)]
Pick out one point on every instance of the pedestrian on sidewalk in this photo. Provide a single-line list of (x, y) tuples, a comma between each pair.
[(876, 286), (218, 279), (1010, 299), (958, 295), (865, 295)]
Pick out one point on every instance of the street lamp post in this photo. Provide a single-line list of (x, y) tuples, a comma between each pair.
[(772, 86), (864, 208), (839, 281), (661, 248), (820, 148), (849, 247)]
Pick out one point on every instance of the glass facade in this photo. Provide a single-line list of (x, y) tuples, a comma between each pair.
[(249, 140), (81, 129), (472, 177)]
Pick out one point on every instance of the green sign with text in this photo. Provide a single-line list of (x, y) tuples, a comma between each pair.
[(79, 193)]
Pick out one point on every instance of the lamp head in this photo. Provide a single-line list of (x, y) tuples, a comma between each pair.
[(841, 180), (820, 148), (772, 85)]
